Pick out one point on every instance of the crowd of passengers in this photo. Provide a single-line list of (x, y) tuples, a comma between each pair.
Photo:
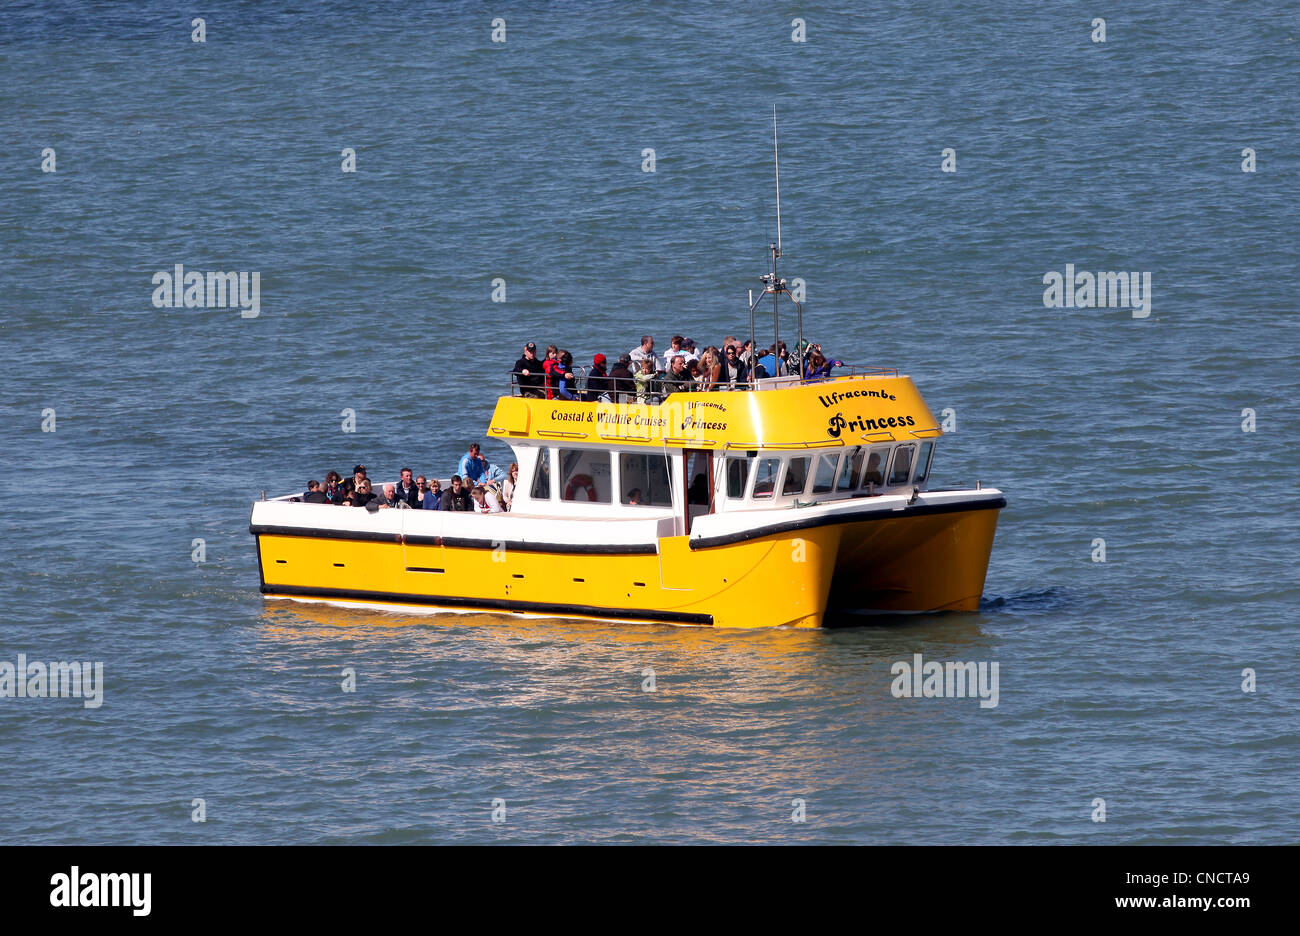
[(640, 374), (476, 487), (645, 376)]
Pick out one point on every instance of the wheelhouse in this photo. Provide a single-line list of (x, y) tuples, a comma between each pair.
[(613, 482)]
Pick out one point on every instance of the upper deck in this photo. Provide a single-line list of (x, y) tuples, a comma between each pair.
[(774, 413)]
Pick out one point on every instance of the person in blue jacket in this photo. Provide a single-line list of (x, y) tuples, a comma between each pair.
[(430, 493), (473, 468)]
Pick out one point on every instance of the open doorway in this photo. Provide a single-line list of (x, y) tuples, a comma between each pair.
[(697, 482)]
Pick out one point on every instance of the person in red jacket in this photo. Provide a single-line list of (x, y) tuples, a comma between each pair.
[(553, 370)]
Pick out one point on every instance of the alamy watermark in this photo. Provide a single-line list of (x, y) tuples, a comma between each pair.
[(1084, 290), (920, 679), (216, 290), (80, 888), (58, 680)]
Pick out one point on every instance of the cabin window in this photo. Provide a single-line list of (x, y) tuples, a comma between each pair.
[(644, 480), (542, 476), (824, 478), (584, 476), (875, 473), (923, 462), (737, 474), (902, 466), (765, 476), (796, 476), (850, 469)]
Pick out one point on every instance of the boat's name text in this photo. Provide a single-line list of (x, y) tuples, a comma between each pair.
[(831, 399), (837, 424)]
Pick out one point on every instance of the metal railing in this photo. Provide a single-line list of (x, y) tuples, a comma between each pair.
[(671, 386)]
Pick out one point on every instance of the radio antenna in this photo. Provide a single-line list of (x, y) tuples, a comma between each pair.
[(772, 283), (776, 156)]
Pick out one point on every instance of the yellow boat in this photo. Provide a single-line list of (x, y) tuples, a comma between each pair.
[(761, 507), (766, 505)]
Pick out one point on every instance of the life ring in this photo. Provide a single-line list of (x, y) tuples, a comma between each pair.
[(580, 481)]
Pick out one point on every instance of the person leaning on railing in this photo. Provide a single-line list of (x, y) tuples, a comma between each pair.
[(817, 366), (678, 378), (528, 375), (473, 467), (483, 500), (550, 364), (566, 384)]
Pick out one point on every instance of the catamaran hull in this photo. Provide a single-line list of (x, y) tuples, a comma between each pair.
[(926, 563), (786, 574)]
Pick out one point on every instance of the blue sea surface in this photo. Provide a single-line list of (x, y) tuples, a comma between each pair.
[(524, 161)]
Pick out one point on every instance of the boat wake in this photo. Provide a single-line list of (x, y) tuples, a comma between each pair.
[(1025, 601)]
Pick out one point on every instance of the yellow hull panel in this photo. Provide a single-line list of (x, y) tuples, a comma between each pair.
[(676, 585), (913, 563), (924, 563)]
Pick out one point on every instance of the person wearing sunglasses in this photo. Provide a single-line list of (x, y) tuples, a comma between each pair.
[(363, 494), (734, 371)]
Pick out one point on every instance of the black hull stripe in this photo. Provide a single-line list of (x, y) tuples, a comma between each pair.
[(491, 604), (628, 549), (458, 542), (857, 516)]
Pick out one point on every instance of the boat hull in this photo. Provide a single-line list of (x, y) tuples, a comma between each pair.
[(905, 560), (634, 587), (924, 563)]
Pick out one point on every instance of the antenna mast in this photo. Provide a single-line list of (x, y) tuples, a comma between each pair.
[(776, 158), (772, 283)]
